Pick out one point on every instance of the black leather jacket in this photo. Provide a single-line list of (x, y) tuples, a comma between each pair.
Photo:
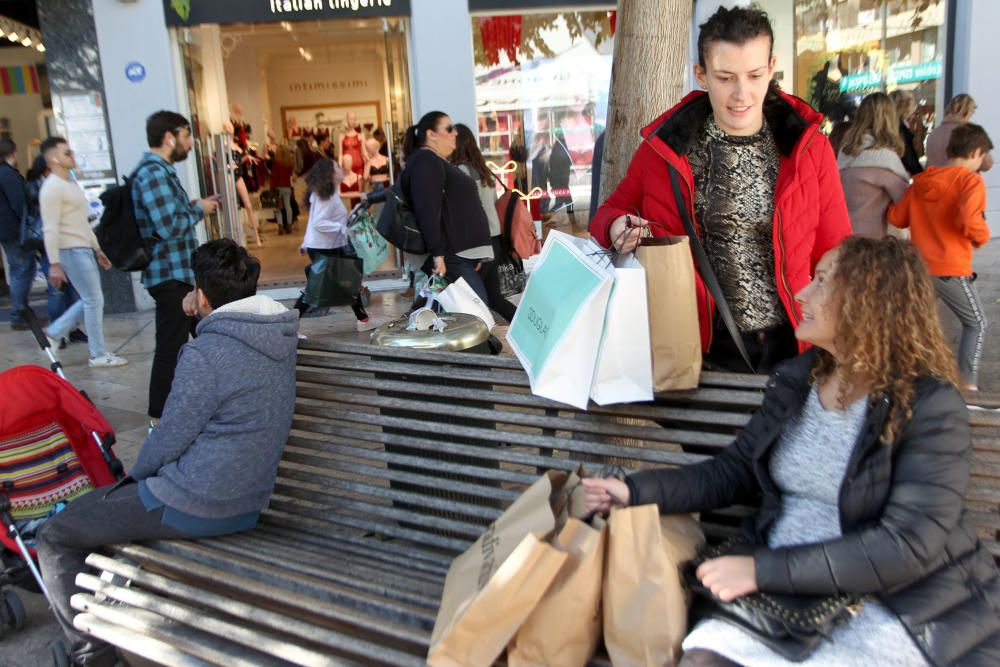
[(905, 536)]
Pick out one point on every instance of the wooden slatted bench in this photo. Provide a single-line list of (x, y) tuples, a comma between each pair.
[(396, 462)]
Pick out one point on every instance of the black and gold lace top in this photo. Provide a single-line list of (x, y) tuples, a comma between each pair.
[(735, 179)]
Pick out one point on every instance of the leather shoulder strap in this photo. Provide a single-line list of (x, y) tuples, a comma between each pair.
[(705, 268)]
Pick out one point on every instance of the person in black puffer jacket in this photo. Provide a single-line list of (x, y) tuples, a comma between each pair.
[(860, 458)]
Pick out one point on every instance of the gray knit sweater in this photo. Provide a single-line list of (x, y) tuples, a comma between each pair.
[(215, 452)]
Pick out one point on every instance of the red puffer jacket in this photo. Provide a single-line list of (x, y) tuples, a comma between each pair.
[(810, 216)]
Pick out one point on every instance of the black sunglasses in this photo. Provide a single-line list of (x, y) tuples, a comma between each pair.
[(447, 128)]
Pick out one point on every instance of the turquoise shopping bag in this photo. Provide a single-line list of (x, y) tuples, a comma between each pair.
[(367, 242)]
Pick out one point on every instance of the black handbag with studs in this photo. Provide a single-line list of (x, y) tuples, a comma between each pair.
[(790, 625)]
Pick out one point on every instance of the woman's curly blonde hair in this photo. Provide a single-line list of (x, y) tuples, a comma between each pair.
[(888, 327)]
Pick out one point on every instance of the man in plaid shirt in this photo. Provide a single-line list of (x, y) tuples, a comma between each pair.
[(167, 219)]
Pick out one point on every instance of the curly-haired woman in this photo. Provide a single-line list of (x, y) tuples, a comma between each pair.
[(861, 451)]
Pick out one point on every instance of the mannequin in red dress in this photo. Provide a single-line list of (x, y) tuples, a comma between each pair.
[(350, 144), (351, 185)]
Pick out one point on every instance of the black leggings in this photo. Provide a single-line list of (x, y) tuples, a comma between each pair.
[(357, 306), (491, 278)]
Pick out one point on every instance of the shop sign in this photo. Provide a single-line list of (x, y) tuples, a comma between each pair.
[(897, 74), (921, 72), (194, 12), (506, 6)]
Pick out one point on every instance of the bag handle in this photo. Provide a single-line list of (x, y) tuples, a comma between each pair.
[(705, 269)]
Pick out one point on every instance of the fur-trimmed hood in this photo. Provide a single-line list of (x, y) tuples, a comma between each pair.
[(788, 116)]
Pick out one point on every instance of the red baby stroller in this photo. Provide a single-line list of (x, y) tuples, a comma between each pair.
[(54, 447)]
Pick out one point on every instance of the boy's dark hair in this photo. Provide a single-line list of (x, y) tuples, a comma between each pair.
[(162, 122), (7, 148), (737, 25), (49, 144), (224, 272), (966, 139)]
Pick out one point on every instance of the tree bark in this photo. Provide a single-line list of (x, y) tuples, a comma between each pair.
[(650, 58)]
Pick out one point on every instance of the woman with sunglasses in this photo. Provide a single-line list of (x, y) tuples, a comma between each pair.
[(445, 203)]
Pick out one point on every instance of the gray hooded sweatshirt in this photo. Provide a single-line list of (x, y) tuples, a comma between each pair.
[(215, 452)]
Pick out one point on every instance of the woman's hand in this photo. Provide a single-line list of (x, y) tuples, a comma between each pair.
[(602, 494), (439, 267), (729, 577), (625, 238)]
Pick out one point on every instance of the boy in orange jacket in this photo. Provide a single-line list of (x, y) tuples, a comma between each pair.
[(945, 209)]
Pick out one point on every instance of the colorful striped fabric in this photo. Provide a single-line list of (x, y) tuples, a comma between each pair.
[(19, 80), (39, 469)]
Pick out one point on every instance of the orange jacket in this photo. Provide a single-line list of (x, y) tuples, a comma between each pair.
[(945, 209)]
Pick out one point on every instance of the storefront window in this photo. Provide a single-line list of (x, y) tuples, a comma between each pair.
[(846, 49), (542, 84)]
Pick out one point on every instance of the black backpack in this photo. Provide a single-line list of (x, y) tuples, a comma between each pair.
[(398, 225), (118, 231)]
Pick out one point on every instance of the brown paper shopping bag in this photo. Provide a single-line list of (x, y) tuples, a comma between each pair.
[(565, 627), (673, 311), (645, 602), (492, 588)]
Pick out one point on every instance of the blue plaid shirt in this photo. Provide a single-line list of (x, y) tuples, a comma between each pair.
[(166, 218)]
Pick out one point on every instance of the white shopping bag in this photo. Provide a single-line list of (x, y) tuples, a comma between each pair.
[(458, 297), (624, 371), (556, 333)]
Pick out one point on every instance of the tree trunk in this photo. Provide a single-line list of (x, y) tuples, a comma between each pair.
[(651, 56)]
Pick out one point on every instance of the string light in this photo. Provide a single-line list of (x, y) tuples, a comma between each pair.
[(22, 34)]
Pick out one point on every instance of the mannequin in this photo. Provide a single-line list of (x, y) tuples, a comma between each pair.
[(241, 129), (350, 187), (350, 144), (377, 166), (242, 194)]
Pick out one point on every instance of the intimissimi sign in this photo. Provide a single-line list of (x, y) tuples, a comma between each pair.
[(193, 12)]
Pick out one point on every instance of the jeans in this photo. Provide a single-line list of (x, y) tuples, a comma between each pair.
[(491, 279), (765, 347), (107, 515), (22, 267), (173, 328), (80, 266), (59, 298), (960, 295), (285, 211)]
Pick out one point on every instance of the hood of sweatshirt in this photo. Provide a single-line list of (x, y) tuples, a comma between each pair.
[(258, 322), (881, 158), (939, 183)]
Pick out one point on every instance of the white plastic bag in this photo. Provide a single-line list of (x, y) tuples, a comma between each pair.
[(458, 297)]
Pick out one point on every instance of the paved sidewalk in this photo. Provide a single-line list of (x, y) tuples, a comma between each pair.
[(120, 393)]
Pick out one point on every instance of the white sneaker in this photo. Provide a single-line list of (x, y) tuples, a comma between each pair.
[(107, 361), (370, 324)]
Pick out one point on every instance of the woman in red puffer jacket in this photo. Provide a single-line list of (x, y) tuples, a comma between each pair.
[(757, 177)]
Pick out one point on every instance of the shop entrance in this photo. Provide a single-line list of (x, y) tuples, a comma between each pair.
[(268, 99)]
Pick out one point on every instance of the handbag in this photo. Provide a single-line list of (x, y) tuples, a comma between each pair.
[(397, 222), (790, 625), (270, 199), (333, 280)]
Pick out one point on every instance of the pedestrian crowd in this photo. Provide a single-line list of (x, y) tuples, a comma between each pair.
[(829, 261)]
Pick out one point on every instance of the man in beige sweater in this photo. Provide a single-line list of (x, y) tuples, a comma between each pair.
[(73, 252)]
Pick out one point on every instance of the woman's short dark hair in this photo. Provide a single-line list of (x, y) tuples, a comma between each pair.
[(416, 135), (467, 152), (162, 122), (224, 272), (966, 139), (737, 25), (322, 179)]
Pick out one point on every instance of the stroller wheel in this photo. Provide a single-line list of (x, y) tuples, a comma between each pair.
[(14, 614)]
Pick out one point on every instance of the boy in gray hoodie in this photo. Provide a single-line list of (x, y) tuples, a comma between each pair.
[(209, 466)]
